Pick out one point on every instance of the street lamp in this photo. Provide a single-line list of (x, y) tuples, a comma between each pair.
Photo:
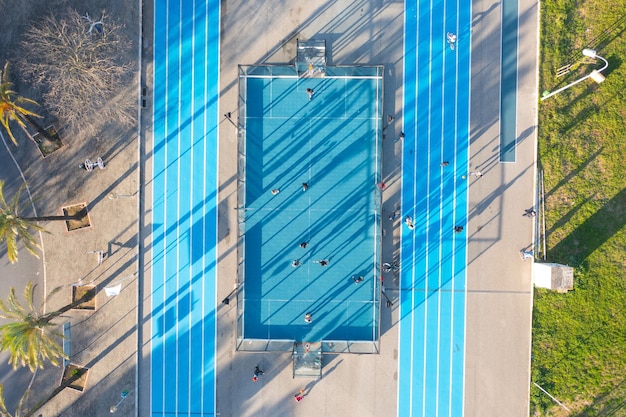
[(595, 74), (123, 396)]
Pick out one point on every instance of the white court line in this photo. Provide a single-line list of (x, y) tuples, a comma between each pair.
[(204, 237), (468, 121), (178, 205), (402, 185), (426, 240), (454, 202), (327, 77), (163, 260), (191, 188)]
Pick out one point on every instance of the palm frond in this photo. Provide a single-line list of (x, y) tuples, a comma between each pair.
[(10, 105), (28, 336), (13, 227), (3, 407)]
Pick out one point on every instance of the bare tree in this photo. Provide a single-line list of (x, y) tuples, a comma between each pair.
[(83, 66)]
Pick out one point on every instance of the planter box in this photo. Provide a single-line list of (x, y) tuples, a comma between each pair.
[(75, 377), (78, 224), (86, 292), (46, 145)]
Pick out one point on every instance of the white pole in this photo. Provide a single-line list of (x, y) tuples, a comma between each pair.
[(591, 54), (553, 399), (543, 214)]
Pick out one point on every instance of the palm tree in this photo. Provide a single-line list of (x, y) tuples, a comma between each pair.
[(11, 106), (28, 336), (14, 227)]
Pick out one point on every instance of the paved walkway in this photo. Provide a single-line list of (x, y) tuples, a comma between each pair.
[(14, 275), (499, 299)]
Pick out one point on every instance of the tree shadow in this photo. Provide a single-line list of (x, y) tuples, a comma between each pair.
[(610, 403), (574, 173), (592, 233)]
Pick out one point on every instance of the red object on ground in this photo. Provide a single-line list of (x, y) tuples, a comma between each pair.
[(298, 397), (255, 379)]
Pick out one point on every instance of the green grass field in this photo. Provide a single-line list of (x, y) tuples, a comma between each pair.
[(579, 338)]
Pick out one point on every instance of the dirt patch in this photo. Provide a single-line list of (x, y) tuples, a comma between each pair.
[(82, 217), (86, 295)]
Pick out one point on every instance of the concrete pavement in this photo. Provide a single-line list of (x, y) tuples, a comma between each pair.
[(500, 290)]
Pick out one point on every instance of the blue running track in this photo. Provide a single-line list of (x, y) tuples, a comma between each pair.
[(433, 256), (184, 218)]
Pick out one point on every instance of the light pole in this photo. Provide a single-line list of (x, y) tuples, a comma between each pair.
[(123, 396), (595, 74)]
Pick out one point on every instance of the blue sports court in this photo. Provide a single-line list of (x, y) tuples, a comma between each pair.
[(311, 166)]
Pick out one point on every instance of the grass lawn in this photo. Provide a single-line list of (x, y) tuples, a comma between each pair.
[(579, 339)]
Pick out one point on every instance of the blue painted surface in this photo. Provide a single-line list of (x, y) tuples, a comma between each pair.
[(331, 143), (433, 256), (508, 91), (184, 183)]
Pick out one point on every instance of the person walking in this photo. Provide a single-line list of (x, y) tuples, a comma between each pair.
[(257, 373), (530, 213), (394, 215), (299, 396), (526, 255), (451, 38), (310, 93)]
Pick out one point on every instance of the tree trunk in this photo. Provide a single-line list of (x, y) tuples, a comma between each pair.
[(76, 216), (43, 132), (47, 318)]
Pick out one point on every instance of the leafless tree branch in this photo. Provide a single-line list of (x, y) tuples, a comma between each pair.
[(83, 72)]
